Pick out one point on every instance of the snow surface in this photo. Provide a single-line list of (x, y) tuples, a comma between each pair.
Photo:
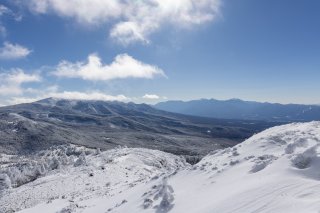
[(277, 170)]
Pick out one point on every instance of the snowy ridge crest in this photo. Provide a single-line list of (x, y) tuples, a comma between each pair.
[(298, 143)]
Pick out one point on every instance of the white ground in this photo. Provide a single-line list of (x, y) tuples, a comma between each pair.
[(277, 170)]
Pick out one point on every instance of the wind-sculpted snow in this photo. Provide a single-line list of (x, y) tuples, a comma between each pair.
[(274, 171), (298, 143)]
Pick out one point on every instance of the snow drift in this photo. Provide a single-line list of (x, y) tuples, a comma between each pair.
[(277, 170)]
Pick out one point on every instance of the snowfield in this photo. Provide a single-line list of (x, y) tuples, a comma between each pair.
[(277, 170)]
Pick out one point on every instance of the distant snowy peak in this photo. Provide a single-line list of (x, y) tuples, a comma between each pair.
[(96, 106)]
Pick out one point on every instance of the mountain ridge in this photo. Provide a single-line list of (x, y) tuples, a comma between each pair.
[(240, 109), (100, 124)]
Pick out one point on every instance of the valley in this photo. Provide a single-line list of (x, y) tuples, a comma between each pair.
[(31, 127)]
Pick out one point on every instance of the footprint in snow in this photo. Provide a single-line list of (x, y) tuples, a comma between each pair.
[(164, 191)]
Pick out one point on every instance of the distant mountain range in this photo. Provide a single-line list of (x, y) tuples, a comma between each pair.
[(239, 109), (25, 128)]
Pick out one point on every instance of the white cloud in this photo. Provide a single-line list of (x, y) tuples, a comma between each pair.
[(17, 76), (72, 95), (10, 83), (13, 51), (132, 20), (123, 66), (12, 92), (3, 10), (88, 96), (20, 100), (130, 32), (86, 12), (151, 96)]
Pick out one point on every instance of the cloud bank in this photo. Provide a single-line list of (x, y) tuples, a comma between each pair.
[(96, 95), (132, 20), (70, 95), (123, 66)]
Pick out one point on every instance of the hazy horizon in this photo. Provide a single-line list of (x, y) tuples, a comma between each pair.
[(150, 102)]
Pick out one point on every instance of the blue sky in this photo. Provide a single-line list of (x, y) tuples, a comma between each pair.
[(157, 50)]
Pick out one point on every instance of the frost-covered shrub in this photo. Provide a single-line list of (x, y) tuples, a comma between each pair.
[(300, 142), (262, 162), (304, 160), (98, 151), (235, 153), (5, 182), (24, 173), (290, 148), (81, 160), (234, 162), (258, 166), (193, 159), (29, 168), (301, 162)]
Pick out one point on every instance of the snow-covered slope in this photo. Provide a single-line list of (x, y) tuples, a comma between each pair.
[(93, 179), (277, 170)]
